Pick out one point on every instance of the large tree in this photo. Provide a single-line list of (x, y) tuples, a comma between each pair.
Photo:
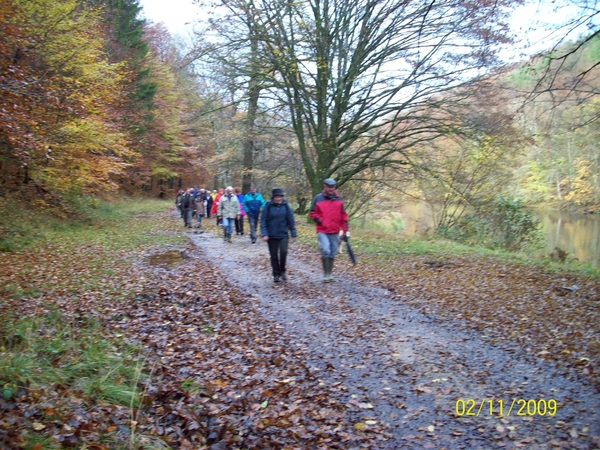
[(365, 80), (231, 51)]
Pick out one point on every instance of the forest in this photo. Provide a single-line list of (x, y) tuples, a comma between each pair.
[(394, 101)]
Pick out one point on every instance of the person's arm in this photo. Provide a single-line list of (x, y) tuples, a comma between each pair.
[(315, 213), (264, 229), (292, 223)]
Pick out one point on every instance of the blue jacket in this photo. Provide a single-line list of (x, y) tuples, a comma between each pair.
[(277, 220), (253, 203)]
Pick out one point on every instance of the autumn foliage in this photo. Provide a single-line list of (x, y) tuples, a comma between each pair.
[(85, 107)]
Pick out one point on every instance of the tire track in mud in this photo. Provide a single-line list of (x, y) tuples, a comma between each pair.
[(397, 367)]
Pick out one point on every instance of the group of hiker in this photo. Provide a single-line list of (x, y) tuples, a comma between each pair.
[(276, 219)]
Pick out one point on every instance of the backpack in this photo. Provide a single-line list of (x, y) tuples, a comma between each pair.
[(268, 208)]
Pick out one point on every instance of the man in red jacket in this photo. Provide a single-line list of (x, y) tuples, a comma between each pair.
[(328, 212)]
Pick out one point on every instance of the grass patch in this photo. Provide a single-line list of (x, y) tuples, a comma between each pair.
[(381, 245), (74, 354), (56, 365), (21, 227)]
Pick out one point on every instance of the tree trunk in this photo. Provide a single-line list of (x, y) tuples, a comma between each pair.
[(248, 144), (254, 88)]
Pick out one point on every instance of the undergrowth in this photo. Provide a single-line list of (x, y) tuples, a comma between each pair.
[(24, 225), (73, 353)]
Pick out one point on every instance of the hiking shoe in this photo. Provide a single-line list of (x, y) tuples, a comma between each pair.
[(254, 241), (283, 277), (276, 278)]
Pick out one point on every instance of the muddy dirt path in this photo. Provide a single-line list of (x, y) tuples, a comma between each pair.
[(432, 384)]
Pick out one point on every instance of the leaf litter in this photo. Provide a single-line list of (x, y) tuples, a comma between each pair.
[(376, 360)]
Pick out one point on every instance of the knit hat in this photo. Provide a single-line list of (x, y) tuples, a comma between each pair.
[(277, 191)]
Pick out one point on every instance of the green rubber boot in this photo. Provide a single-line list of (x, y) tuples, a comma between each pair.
[(327, 267), (326, 273), (330, 263)]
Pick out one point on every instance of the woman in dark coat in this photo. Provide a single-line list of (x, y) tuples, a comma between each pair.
[(276, 224)]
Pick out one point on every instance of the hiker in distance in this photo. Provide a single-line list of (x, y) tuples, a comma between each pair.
[(200, 207), (188, 207), (228, 212), (327, 210), (253, 202), (276, 223)]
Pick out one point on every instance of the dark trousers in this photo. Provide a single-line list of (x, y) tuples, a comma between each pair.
[(278, 248), (188, 213), (239, 225)]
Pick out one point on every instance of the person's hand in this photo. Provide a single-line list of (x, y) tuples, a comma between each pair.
[(347, 234), (293, 240), (341, 233), (265, 238)]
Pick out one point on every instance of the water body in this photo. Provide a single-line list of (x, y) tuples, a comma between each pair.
[(576, 233)]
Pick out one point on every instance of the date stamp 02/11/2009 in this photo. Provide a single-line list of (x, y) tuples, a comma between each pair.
[(500, 408)]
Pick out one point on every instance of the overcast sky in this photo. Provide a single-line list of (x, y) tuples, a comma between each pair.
[(175, 14), (178, 15)]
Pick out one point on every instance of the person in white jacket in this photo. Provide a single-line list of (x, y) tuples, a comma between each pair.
[(228, 211)]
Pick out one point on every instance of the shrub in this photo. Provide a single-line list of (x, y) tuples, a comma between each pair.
[(504, 224)]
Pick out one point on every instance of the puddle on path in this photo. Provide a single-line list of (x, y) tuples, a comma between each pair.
[(167, 260)]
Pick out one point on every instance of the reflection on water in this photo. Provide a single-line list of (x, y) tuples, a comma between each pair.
[(577, 234)]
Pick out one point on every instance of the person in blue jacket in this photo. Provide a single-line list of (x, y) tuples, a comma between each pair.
[(252, 204), (276, 224)]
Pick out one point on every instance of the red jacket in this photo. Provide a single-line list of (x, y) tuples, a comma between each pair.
[(215, 206), (329, 213)]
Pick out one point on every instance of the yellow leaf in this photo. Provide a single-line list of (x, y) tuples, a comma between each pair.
[(360, 426), (38, 426)]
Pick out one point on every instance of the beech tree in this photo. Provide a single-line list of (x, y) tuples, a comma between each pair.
[(366, 80), (57, 88)]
